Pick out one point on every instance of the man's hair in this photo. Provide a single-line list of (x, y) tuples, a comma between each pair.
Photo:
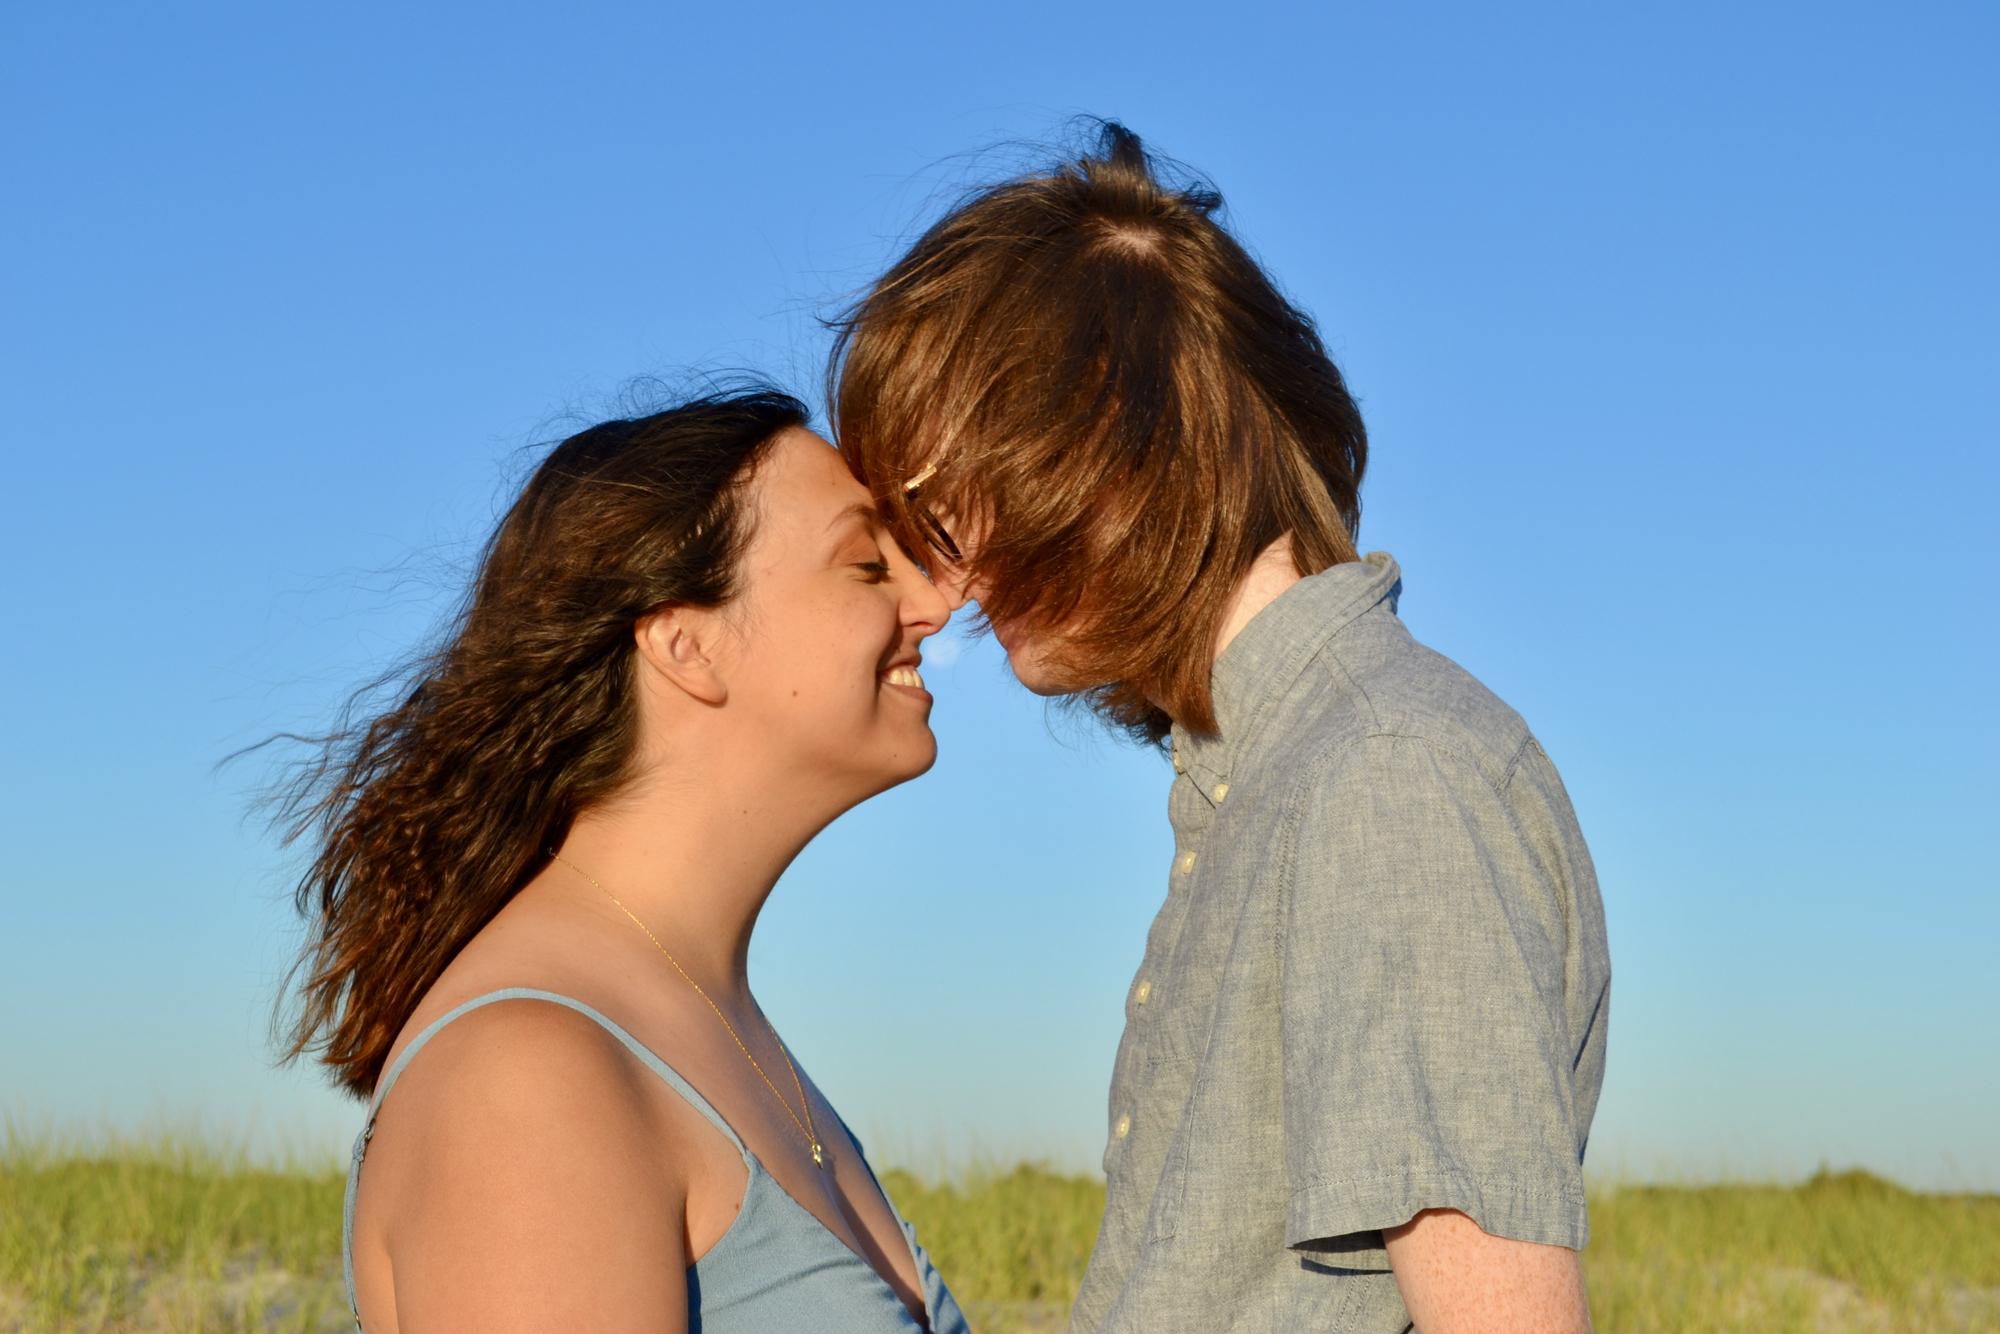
[(1120, 396)]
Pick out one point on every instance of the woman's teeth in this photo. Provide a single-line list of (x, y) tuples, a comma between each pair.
[(903, 676)]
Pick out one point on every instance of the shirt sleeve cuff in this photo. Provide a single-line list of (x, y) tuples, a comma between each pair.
[(1345, 1217)]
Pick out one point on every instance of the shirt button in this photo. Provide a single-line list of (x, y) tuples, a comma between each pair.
[(1143, 991), (1187, 862), (1221, 793), (1123, 1128)]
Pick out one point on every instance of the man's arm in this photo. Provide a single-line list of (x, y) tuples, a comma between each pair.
[(1455, 1277), (1429, 1066)]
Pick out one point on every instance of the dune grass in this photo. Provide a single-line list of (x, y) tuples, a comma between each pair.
[(1011, 1243), (168, 1233), (1843, 1251)]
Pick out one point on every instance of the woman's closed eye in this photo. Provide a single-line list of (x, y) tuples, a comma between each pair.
[(876, 569)]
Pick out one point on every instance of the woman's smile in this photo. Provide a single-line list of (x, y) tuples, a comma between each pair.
[(902, 675)]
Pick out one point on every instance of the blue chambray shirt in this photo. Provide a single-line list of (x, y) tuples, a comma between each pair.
[(1379, 984)]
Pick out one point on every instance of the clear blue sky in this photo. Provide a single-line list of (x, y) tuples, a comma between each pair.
[(1676, 336)]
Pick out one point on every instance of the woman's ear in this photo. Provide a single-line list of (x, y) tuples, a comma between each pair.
[(677, 644)]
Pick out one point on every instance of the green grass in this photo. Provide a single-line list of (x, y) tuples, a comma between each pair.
[(164, 1233), (168, 1234), (1011, 1244), (1845, 1250)]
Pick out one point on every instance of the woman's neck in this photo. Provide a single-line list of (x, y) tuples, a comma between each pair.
[(693, 857)]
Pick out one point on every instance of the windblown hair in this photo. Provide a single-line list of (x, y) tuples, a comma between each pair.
[(1121, 398), (425, 820)]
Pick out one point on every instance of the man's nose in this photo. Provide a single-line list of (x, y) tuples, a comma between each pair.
[(951, 580)]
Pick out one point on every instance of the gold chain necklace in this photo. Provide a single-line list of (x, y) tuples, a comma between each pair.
[(805, 1126)]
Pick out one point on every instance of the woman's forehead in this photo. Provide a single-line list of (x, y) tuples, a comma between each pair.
[(805, 488)]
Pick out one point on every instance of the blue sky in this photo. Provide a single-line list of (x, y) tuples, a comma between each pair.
[(1675, 332)]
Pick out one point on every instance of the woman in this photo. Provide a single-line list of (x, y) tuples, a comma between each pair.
[(689, 647)]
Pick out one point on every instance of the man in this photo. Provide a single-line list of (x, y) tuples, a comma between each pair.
[(1365, 1044)]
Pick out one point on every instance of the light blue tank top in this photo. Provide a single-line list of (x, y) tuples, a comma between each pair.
[(776, 1268)]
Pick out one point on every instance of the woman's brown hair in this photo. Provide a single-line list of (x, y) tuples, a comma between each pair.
[(426, 819), (1116, 393)]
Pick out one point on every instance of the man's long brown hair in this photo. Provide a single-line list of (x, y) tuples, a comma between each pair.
[(1114, 390), (425, 819)]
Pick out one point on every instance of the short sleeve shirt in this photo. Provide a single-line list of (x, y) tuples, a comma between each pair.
[(1378, 984)]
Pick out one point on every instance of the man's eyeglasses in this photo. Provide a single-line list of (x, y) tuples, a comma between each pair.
[(928, 523)]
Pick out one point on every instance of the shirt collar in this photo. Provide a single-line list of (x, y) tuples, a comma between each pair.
[(1268, 654)]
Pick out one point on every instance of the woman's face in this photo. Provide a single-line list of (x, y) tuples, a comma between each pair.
[(828, 625)]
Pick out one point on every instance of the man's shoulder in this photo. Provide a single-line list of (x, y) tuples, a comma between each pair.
[(1375, 685)]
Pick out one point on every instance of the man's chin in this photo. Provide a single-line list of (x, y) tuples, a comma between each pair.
[(1039, 676)]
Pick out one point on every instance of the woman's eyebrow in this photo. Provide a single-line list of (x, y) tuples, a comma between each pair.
[(863, 510)]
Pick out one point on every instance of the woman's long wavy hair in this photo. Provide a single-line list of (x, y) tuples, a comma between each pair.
[(424, 820)]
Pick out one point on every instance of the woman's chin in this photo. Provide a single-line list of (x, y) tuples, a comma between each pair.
[(912, 760), (921, 759)]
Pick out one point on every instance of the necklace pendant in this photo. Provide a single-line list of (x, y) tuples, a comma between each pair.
[(819, 1155)]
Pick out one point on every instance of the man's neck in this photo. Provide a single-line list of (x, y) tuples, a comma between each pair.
[(1269, 575)]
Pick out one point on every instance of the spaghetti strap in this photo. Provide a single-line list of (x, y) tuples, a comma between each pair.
[(646, 1056)]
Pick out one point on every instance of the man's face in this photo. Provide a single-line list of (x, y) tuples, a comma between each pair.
[(1032, 651)]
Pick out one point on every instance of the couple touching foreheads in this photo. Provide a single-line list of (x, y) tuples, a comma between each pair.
[(1364, 1045)]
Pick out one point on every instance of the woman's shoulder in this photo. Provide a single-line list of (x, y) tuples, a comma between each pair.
[(513, 1019), (516, 1164), (516, 1067), (502, 1036)]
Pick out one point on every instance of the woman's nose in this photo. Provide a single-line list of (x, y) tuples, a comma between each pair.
[(928, 608), (924, 600)]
